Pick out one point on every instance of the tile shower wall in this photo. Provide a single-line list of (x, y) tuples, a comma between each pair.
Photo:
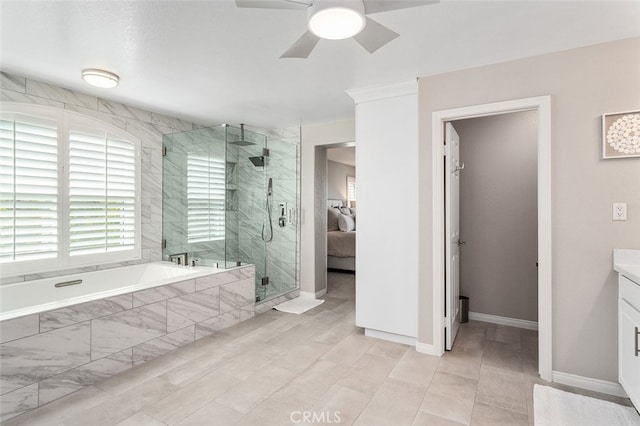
[(48, 355), (277, 259), (148, 126)]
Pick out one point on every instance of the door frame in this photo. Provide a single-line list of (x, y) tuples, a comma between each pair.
[(542, 105)]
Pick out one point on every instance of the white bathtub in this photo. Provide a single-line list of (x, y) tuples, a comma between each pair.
[(30, 297)]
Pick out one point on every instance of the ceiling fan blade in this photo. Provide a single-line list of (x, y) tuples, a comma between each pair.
[(272, 4), (374, 36), (303, 47), (377, 6)]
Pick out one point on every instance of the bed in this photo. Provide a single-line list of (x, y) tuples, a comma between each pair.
[(341, 244)]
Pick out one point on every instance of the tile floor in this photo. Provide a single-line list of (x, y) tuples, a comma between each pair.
[(277, 368)]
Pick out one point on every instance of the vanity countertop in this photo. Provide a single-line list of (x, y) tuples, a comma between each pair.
[(627, 263), (630, 271)]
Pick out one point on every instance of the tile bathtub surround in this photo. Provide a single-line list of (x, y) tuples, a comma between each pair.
[(46, 356), (277, 365)]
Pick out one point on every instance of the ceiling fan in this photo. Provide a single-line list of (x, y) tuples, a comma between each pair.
[(337, 20)]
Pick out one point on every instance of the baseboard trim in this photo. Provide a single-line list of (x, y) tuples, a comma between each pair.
[(511, 322), (316, 295), (391, 337), (425, 348), (596, 385)]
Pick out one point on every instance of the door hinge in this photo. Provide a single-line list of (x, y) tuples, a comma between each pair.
[(164, 150), (164, 243), (445, 150)]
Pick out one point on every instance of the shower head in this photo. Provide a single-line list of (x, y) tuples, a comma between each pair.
[(241, 141), (257, 161)]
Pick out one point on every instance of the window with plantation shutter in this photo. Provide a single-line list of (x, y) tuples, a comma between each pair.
[(28, 189), (205, 198), (69, 191), (351, 190), (102, 193)]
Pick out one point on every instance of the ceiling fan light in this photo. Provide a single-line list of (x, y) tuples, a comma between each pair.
[(100, 78), (336, 23)]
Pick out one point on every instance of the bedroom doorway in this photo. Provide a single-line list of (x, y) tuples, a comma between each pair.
[(341, 209), (322, 189), (443, 301)]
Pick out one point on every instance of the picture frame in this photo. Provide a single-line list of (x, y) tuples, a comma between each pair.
[(621, 135)]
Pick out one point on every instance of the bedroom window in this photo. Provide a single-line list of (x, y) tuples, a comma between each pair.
[(351, 191), (205, 198), (69, 191)]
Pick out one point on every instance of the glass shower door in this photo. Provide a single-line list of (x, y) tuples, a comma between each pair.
[(281, 251), (193, 195)]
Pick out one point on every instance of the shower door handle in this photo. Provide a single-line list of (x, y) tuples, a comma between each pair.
[(293, 216)]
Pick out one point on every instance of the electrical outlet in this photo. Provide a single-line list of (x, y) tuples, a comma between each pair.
[(619, 211)]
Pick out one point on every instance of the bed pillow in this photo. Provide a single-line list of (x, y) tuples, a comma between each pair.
[(346, 223), (332, 219), (345, 210)]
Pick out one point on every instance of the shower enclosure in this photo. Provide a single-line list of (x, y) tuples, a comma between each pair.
[(230, 197)]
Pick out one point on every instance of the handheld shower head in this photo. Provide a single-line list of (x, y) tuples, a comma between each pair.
[(270, 187)]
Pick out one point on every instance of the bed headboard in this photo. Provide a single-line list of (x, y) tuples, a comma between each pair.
[(334, 203)]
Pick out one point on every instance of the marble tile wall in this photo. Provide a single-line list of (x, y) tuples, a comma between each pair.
[(148, 126), (48, 355), (279, 258)]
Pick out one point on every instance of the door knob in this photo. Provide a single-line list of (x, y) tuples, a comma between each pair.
[(461, 243)]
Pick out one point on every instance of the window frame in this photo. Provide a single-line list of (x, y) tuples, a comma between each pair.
[(66, 122)]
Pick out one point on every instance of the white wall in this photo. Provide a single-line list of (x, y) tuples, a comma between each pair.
[(313, 237), (387, 243), (583, 85)]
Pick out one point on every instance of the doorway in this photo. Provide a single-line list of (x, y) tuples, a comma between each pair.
[(542, 106), (322, 188), (491, 185)]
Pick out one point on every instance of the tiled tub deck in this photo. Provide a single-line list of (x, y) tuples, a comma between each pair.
[(47, 355)]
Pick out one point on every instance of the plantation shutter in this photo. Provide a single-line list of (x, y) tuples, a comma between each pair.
[(351, 189), (102, 193), (28, 188), (205, 198)]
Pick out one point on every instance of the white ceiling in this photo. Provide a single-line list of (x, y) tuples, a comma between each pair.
[(211, 62)]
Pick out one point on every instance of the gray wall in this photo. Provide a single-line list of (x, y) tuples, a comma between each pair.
[(337, 180), (148, 126), (583, 85), (498, 214)]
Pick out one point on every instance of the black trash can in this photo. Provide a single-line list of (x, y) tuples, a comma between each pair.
[(464, 309)]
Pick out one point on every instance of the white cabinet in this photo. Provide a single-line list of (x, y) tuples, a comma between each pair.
[(629, 338)]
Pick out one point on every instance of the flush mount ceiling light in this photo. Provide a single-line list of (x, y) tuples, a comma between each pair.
[(337, 20), (100, 78), (328, 21)]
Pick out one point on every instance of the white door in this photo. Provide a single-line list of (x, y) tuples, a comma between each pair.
[(452, 234)]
